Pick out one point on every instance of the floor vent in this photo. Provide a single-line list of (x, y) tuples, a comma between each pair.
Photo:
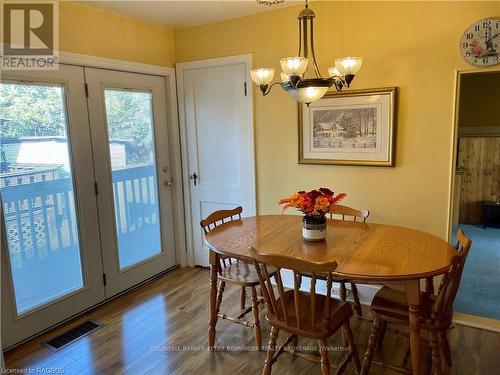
[(59, 342)]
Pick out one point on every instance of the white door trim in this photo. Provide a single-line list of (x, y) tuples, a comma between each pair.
[(173, 130), (112, 64), (199, 64)]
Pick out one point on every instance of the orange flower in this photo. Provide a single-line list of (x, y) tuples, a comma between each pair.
[(291, 201), (294, 200), (306, 203), (322, 203)]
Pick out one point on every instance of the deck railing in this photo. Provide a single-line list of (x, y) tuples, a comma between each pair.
[(40, 217)]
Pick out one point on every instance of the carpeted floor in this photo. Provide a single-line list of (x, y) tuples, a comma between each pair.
[(479, 292)]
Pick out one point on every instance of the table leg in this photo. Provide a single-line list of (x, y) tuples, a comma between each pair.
[(213, 300), (413, 299)]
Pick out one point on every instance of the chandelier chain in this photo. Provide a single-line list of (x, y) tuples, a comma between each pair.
[(270, 2)]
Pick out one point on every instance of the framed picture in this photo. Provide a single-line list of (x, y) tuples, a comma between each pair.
[(355, 127)]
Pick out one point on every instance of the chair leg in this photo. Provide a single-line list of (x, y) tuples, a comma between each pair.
[(295, 344), (242, 298), (371, 345), (222, 286), (325, 363), (342, 291), (445, 346), (346, 329), (436, 359), (383, 328), (357, 304), (213, 306), (270, 351), (255, 310), (406, 358)]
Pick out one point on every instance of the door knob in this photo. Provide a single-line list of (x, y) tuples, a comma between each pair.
[(168, 183), (193, 177)]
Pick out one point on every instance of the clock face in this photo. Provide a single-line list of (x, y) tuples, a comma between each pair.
[(480, 44)]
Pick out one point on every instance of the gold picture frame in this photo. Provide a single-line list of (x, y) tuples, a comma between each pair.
[(356, 127)]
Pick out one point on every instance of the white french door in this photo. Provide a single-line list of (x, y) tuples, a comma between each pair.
[(133, 179), (51, 259), (85, 185)]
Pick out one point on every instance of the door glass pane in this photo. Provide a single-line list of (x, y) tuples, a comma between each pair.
[(135, 188), (37, 192)]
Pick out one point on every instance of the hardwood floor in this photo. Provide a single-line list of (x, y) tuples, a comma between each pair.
[(145, 331)]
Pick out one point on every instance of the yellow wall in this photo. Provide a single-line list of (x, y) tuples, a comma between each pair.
[(96, 32), (410, 45), (480, 100)]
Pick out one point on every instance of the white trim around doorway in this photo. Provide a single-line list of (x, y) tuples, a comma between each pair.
[(461, 318)]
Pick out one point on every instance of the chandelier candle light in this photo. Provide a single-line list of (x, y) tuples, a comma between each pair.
[(304, 87), (314, 204)]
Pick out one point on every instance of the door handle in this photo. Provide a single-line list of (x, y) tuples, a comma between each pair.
[(193, 177), (168, 183)]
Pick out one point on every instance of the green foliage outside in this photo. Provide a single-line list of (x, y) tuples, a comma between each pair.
[(30, 111), (130, 119), (36, 111)]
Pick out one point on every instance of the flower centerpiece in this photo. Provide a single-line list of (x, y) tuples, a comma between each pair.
[(314, 204)]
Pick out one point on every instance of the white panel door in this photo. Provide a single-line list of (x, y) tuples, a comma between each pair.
[(128, 119), (51, 259), (219, 139)]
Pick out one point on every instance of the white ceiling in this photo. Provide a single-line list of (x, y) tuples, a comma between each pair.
[(185, 13)]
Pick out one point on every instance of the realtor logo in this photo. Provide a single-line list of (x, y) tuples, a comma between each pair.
[(30, 34)]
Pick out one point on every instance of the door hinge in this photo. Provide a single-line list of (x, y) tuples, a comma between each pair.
[(86, 90), (105, 282), (245, 88), (96, 188)]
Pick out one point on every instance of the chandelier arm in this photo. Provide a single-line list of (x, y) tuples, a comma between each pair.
[(338, 82), (300, 37), (266, 89), (340, 78), (316, 69), (304, 27)]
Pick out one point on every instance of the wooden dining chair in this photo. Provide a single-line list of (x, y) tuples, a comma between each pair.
[(389, 306), (236, 272), (299, 313), (357, 215)]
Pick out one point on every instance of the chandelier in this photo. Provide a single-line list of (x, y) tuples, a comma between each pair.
[(300, 75)]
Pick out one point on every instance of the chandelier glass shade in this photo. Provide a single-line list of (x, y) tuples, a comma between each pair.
[(300, 75), (262, 76)]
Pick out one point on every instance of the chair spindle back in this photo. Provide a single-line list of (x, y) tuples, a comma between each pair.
[(220, 217), (293, 308), (217, 218), (450, 283), (343, 211)]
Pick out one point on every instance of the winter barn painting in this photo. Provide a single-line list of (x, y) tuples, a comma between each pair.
[(345, 128), (351, 128)]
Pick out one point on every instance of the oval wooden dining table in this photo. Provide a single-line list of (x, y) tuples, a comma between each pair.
[(363, 252)]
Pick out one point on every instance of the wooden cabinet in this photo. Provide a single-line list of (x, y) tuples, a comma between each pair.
[(480, 159)]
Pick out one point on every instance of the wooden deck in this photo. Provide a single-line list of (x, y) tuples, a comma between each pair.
[(146, 329), (42, 231)]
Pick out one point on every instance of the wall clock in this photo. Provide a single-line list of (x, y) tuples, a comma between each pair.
[(479, 45)]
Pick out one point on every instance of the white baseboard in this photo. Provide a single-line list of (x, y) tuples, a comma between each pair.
[(477, 322)]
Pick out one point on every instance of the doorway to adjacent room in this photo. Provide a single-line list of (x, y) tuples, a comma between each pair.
[(476, 192)]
